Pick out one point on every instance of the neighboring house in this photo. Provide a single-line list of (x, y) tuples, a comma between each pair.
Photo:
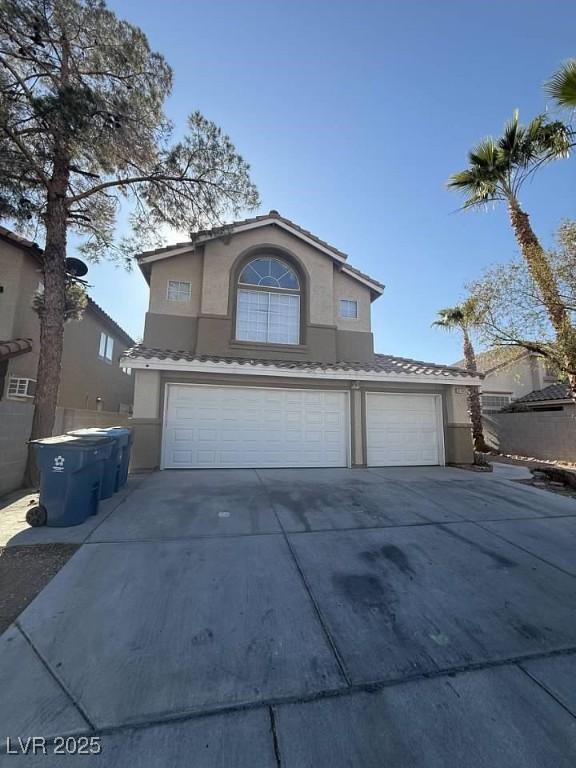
[(258, 352), (509, 375), (91, 377), (541, 424)]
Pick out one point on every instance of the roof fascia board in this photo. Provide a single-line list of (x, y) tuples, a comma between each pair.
[(165, 254), (366, 281), (270, 370)]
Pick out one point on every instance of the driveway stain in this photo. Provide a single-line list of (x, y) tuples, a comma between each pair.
[(499, 560), (389, 553)]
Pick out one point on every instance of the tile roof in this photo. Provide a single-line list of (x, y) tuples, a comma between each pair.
[(14, 347), (107, 320), (552, 392), (386, 364), (226, 228)]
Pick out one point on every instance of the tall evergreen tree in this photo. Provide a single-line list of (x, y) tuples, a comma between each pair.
[(82, 129)]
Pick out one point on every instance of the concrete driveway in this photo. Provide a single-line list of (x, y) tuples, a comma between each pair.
[(400, 617)]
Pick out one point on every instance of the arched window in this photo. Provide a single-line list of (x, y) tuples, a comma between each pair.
[(268, 303)]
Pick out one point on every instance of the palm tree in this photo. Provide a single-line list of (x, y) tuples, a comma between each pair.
[(562, 85), (497, 170), (464, 317)]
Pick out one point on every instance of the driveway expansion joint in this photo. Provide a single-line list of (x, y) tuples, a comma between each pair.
[(331, 642), (81, 711), (274, 731), (547, 690), (273, 703)]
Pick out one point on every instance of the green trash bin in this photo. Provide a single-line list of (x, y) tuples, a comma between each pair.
[(70, 478)]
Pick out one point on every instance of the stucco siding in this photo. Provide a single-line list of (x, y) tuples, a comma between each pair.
[(184, 267), (347, 288), (538, 434), (221, 254), (11, 261), (518, 378), (85, 376)]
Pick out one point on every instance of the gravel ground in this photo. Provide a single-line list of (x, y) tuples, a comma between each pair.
[(24, 572)]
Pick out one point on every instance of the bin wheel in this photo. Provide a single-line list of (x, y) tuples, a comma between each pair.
[(36, 516)]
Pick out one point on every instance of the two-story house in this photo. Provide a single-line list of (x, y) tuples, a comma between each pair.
[(258, 352), (91, 377), (510, 374)]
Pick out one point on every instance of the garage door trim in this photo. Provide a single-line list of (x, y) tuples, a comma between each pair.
[(439, 420), (171, 384)]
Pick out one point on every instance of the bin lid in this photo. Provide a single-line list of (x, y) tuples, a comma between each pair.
[(72, 441), (89, 431)]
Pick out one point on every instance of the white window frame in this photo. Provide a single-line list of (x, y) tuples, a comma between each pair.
[(106, 348), (348, 302), (178, 290), (127, 371), (269, 316), (19, 386)]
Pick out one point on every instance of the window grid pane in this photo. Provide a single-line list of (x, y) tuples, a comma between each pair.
[(270, 272), (109, 347), (20, 387), (268, 317), (349, 309), (179, 290), (102, 350), (494, 403)]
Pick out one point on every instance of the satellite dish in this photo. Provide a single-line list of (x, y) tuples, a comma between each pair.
[(76, 268)]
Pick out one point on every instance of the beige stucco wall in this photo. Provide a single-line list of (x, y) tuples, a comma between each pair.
[(150, 393), (221, 254), (146, 394), (84, 376), (517, 378), (186, 267), (346, 287), (11, 262), (206, 324)]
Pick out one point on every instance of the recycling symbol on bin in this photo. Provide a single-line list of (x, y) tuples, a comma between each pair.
[(58, 463)]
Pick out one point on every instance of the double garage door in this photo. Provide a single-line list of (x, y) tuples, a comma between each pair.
[(230, 427)]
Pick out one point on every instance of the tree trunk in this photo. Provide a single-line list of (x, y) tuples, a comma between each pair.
[(543, 276), (51, 330), (474, 405)]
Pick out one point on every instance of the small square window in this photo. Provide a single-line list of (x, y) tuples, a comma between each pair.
[(349, 309), (179, 290)]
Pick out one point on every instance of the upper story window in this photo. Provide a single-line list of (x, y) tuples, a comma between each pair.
[(106, 349), (268, 304), (349, 309), (179, 290)]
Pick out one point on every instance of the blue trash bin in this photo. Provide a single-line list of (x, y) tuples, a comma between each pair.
[(70, 478), (116, 467)]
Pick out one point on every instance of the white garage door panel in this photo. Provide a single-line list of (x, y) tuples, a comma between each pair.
[(231, 427), (403, 430)]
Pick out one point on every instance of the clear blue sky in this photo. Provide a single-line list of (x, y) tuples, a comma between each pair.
[(352, 115)]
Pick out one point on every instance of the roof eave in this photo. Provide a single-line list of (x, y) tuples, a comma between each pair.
[(247, 368)]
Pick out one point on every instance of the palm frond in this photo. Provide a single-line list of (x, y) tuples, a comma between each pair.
[(562, 85)]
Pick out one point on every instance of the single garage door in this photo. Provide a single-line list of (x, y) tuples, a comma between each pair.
[(211, 426), (404, 430)]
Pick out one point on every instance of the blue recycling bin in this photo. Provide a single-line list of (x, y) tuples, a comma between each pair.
[(115, 468), (70, 478)]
